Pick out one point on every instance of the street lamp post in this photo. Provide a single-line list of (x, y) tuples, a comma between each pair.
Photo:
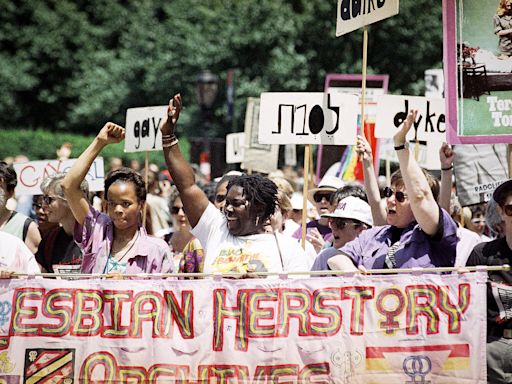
[(207, 87)]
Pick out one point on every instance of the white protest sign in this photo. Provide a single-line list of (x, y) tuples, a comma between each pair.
[(143, 129), (31, 174), (235, 147), (290, 155), (354, 14), (393, 110), (257, 157), (428, 152), (308, 118)]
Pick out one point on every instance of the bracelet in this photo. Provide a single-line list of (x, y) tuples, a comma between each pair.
[(447, 168), (168, 137), (400, 147), (170, 144)]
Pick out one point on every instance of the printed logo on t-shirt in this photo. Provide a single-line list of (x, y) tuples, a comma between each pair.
[(503, 295), (239, 260)]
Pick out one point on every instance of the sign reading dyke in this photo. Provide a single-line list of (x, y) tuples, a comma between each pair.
[(354, 14), (31, 174), (308, 118), (143, 129), (393, 110)]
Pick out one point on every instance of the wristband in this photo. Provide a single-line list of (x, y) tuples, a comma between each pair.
[(403, 146), (447, 168), (170, 144)]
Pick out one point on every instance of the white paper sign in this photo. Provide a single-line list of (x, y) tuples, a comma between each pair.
[(354, 14), (31, 174), (143, 129), (257, 157), (235, 143), (290, 155), (430, 120), (308, 118), (428, 153)]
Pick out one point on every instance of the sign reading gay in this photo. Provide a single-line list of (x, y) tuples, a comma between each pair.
[(359, 329), (143, 129), (308, 118)]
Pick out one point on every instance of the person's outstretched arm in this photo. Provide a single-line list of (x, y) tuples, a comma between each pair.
[(446, 156), (423, 205), (364, 150), (110, 134), (193, 198)]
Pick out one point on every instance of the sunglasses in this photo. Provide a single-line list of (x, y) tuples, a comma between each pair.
[(318, 197), (507, 209), (175, 210), (50, 199), (399, 195), (342, 223)]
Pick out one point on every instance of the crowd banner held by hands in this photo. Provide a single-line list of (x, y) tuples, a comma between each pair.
[(143, 129), (235, 143), (31, 174), (308, 118), (478, 170), (478, 81), (354, 14), (358, 329), (257, 157)]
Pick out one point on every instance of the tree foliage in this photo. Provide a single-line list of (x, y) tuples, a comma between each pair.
[(70, 65)]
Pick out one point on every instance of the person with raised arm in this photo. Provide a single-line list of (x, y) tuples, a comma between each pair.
[(115, 243), (418, 232), (234, 240)]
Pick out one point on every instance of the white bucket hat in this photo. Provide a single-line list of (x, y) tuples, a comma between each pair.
[(327, 184), (352, 208)]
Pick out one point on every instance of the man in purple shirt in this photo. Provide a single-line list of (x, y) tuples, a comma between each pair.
[(418, 232)]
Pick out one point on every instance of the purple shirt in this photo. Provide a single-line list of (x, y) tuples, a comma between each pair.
[(417, 249), (148, 255)]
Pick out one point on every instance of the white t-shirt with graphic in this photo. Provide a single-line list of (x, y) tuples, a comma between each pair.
[(227, 253)]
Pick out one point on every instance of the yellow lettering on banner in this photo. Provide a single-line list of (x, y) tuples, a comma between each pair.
[(223, 374), (183, 316), (358, 295), (105, 363), (22, 312), (427, 308), (87, 319), (454, 311), (117, 299), (273, 373), (256, 297), (60, 312), (330, 312), (307, 373), (239, 313), (287, 310), (132, 375), (178, 374), (140, 314)]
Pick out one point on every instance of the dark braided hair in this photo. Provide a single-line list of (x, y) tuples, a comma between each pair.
[(126, 175), (8, 175), (259, 192)]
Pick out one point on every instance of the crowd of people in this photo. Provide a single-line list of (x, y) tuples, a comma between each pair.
[(252, 224)]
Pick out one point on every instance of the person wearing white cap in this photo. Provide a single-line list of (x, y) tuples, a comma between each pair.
[(351, 217), (321, 196)]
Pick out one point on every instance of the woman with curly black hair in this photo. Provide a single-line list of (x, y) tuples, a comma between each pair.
[(234, 240), (116, 243)]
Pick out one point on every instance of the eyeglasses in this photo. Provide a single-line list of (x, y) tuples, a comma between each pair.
[(175, 210), (50, 199), (399, 195), (322, 195), (342, 223), (507, 209), (220, 198)]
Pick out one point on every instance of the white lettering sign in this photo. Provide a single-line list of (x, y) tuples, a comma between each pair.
[(393, 110), (308, 118), (143, 129), (31, 174), (354, 14)]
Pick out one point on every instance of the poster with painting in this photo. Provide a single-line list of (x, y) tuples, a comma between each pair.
[(478, 69)]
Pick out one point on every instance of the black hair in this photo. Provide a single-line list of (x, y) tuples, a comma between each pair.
[(126, 175), (433, 182), (210, 190), (225, 179), (8, 175), (259, 192), (349, 189)]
